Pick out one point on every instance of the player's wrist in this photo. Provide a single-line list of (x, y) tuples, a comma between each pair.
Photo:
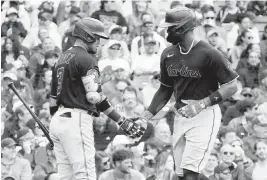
[(147, 116)]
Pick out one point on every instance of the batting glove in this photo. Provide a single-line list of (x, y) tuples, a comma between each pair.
[(131, 128), (191, 109)]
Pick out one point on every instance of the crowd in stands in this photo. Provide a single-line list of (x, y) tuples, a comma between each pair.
[(35, 33)]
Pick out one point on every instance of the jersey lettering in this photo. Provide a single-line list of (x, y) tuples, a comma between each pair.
[(65, 58), (184, 71), (60, 74)]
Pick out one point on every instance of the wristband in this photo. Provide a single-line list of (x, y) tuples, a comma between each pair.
[(215, 98), (103, 105)]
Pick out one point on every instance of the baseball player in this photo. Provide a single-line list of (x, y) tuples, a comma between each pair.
[(76, 98), (200, 77)]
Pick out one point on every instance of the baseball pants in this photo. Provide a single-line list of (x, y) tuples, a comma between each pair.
[(193, 139), (73, 139)]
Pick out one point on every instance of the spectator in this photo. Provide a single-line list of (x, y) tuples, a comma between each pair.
[(211, 164), (120, 88), (63, 11), (259, 171), (249, 76), (245, 38), (13, 26), (263, 48), (244, 22), (120, 73), (228, 13), (68, 40), (261, 91), (259, 130), (149, 90), (38, 58), (114, 52), (258, 7), (12, 51), (11, 164), (130, 102), (242, 124), (227, 135), (209, 23), (216, 41), (26, 140), (119, 142), (109, 15), (52, 176), (39, 137), (148, 25), (250, 48), (139, 159), (44, 21), (46, 163), (102, 161), (228, 157), (122, 160), (222, 172), (163, 133), (105, 131), (38, 39), (134, 20), (147, 62), (51, 58), (117, 33), (65, 25)]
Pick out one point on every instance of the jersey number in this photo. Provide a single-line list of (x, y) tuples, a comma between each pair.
[(60, 74)]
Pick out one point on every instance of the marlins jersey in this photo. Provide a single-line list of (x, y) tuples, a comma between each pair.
[(67, 85), (195, 75)]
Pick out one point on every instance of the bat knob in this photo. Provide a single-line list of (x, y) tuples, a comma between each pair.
[(10, 85)]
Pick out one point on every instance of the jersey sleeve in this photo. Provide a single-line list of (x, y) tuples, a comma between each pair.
[(221, 67), (164, 78)]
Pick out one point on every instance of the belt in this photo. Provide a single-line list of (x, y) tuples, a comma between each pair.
[(68, 114)]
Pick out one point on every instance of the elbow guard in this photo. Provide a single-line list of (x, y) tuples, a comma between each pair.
[(92, 86), (93, 97)]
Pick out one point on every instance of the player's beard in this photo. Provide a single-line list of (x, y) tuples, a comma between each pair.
[(174, 38)]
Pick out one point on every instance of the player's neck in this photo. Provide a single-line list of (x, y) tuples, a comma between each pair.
[(187, 42), (81, 44)]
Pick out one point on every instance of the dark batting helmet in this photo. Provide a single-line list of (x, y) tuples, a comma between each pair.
[(182, 18), (88, 29)]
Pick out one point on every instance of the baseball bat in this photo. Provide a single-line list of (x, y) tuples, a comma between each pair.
[(37, 120)]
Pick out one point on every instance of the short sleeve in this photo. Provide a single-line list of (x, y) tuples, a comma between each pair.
[(164, 78), (221, 67)]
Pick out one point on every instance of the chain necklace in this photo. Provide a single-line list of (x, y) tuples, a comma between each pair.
[(192, 45)]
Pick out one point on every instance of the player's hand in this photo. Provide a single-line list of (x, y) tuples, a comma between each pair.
[(131, 128), (191, 109)]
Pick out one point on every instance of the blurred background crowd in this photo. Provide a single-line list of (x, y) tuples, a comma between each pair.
[(34, 33)]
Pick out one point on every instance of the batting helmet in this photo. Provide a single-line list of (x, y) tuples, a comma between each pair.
[(88, 29), (182, 18)]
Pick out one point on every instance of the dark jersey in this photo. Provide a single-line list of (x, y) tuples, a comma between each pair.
[(195, 75), (67, 85)]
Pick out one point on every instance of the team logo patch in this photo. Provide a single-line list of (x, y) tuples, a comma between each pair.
[(95, 74)]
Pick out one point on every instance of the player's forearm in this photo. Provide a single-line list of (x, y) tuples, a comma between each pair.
[(225, 91), (160, 99), (106, 107)]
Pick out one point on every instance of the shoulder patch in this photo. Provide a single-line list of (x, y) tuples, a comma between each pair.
[(94, 74)]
